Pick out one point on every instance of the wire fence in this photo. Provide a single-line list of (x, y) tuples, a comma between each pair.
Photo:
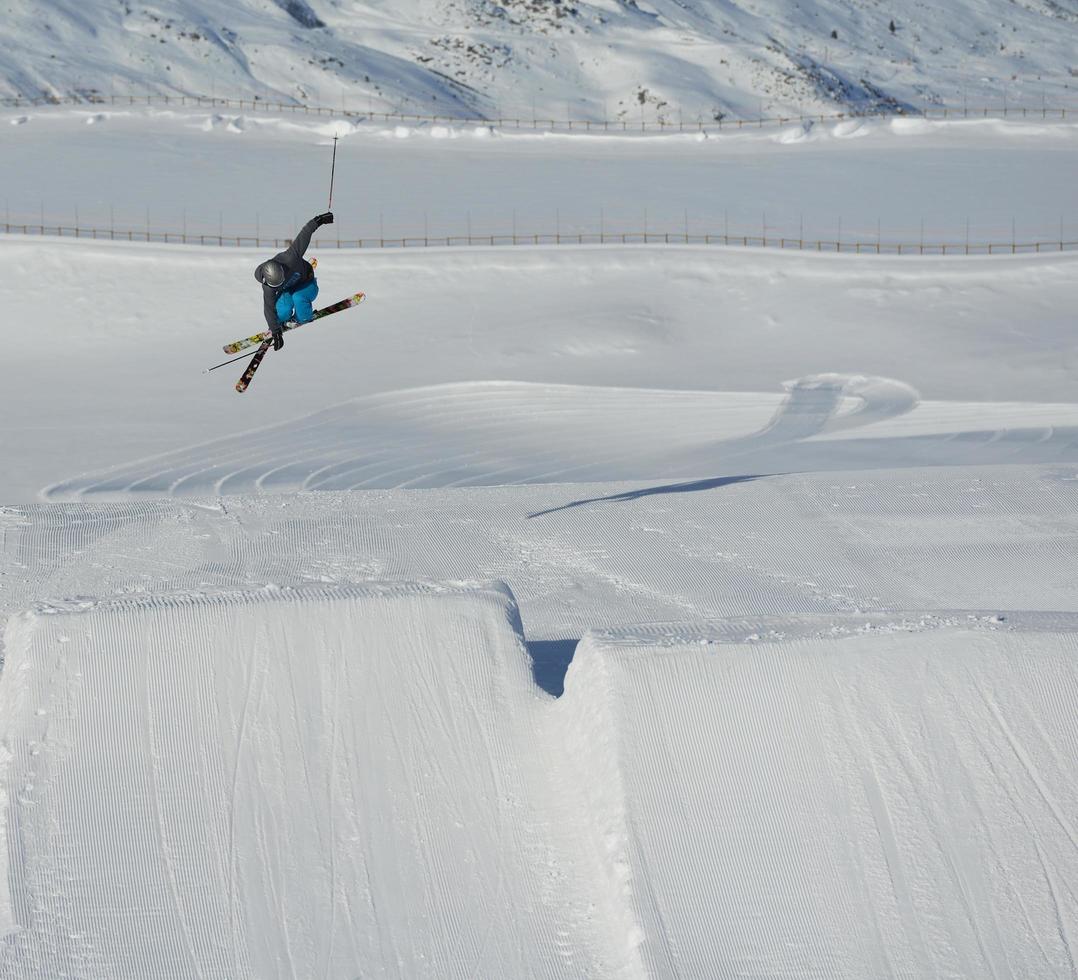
[(666, 123), (876, 247), (999, 112)]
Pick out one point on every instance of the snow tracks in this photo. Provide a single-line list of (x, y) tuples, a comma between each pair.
[(868, 798), (320, 782), (345, 781)]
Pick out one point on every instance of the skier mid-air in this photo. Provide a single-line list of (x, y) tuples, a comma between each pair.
[(289, 287)]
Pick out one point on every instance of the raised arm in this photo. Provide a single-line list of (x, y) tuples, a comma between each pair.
[(303, 239)]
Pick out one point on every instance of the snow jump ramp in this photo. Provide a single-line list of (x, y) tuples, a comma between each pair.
[(346, 780), (311, 782), (883, 796)]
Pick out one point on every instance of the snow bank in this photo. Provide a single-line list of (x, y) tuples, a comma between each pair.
[(324, 781), (876, 798), (458, 434), (498, 433)]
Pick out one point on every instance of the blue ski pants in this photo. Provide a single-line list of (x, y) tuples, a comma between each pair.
[(298, 305)]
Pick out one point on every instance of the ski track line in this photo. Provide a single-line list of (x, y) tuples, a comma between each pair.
[(423, 692), (1066, 939), (858, 746), (1027, 764), (665, 819), (962, 864), (335, 713), (189, 940), (240, 738), (1015, 801)]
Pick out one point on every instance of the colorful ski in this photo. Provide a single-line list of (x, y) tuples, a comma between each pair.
[(245, 378), (237, 345)]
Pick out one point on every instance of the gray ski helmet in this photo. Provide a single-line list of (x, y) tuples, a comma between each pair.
[(271, 273)]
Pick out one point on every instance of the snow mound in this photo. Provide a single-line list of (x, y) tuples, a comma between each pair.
[(332, 778), (498, 433), (476, 433), (879, 797)]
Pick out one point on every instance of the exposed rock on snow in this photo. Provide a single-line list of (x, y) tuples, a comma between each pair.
[(669, 60)]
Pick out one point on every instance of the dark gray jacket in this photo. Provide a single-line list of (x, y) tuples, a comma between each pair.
[(297, 271)]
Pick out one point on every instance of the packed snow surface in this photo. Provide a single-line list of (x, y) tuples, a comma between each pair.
[(372, 804), (610, 611), (843, 796), (376, 763)]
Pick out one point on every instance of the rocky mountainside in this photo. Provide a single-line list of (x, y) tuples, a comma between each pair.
[(583, 59)]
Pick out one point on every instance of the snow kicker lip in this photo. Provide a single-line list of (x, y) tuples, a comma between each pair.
[(890, 740), (832, 626)]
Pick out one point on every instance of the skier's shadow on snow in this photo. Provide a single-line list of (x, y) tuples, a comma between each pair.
[(690, 487)]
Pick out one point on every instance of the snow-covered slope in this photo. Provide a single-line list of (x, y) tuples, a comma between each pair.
[(531, 364), (237, 811), (860, 799), (265, 709), (493, 434), (534, 365), (615, 59), (211, 778)]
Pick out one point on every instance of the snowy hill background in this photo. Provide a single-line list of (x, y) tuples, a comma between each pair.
[(607, 610), (594, 59)]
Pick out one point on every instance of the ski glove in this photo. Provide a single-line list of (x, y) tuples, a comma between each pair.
[(325, 219), (278, 337)]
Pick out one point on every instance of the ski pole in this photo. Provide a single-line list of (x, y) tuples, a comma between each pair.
[(332, 171), (246, 353)]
